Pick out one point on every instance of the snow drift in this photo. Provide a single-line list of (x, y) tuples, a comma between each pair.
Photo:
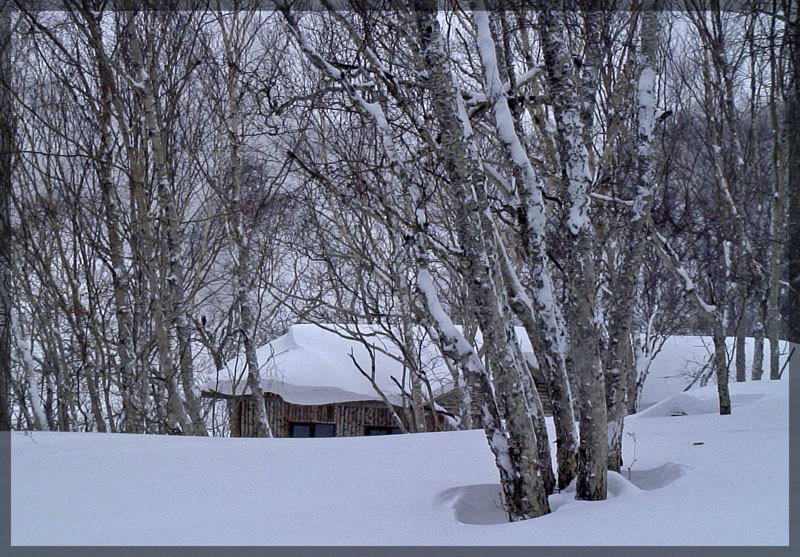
[(696, 479)]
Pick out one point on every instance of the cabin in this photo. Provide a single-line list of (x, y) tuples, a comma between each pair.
[(314, 385)]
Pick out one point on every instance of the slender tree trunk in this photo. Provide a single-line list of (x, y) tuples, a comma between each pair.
[(89, 374), (412, 355), (620, 361), (741, 326), (540, 427), (175, 304), (772, 317), (786, 182), (240, 242), (642, 358), (63, 394), (757, 369), (49, 399), (132, 419), (542, 324), (721, 369), (26, 360), (585, 338), (6, 141)]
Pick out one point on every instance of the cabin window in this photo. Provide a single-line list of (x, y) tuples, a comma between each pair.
[(375, 430), (312, 430)]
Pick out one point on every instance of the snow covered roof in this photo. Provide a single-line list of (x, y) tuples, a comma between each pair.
[(311, 365)]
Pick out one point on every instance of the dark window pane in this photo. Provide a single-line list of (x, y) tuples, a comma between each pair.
[(323, 430), (376, 431), (301, 430), (396, 430)]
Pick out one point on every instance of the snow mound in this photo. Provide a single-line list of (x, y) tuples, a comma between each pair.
[(481, 503), (475, 504), (197, 491), (618, 486), (681, 358), (685, 404), (656, 478)]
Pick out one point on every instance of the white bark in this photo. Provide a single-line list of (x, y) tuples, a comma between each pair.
[(133, 419), (486, 292), (173, 310), (540, 315), (583, 326), (31, 389), (620, 359), (520, 500), (231, 35)]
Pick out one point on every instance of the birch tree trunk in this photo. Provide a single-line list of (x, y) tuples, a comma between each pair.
[(773, 313), (480, 263), (757, 369), (133, 419), (540, 315), (6, 142), (741, 327), (584, 333), (240, 243), (412, 354), (620, 361), (175, 304), (721, 369), (540, 428), (524, 495), (785, 136), (26, 360)]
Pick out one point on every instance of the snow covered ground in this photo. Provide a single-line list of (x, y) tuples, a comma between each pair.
[(681, 356), (697, 479)]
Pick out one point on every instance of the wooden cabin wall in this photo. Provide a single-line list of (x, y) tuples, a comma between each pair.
[(349, 419), (234, 406)]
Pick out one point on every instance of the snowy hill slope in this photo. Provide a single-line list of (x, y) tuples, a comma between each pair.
[(698, 479)]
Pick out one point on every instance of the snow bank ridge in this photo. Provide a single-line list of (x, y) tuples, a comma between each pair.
[(685, 404)]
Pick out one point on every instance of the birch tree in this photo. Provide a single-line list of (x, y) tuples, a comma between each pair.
[(584, 356), (523, 497), (143, 84), (792, 311), (236, 31), (486, 290), (542, 312), (620, 363), (6, 140), (130, 388)]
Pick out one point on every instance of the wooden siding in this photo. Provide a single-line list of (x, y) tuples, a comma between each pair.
[(350, 419)]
